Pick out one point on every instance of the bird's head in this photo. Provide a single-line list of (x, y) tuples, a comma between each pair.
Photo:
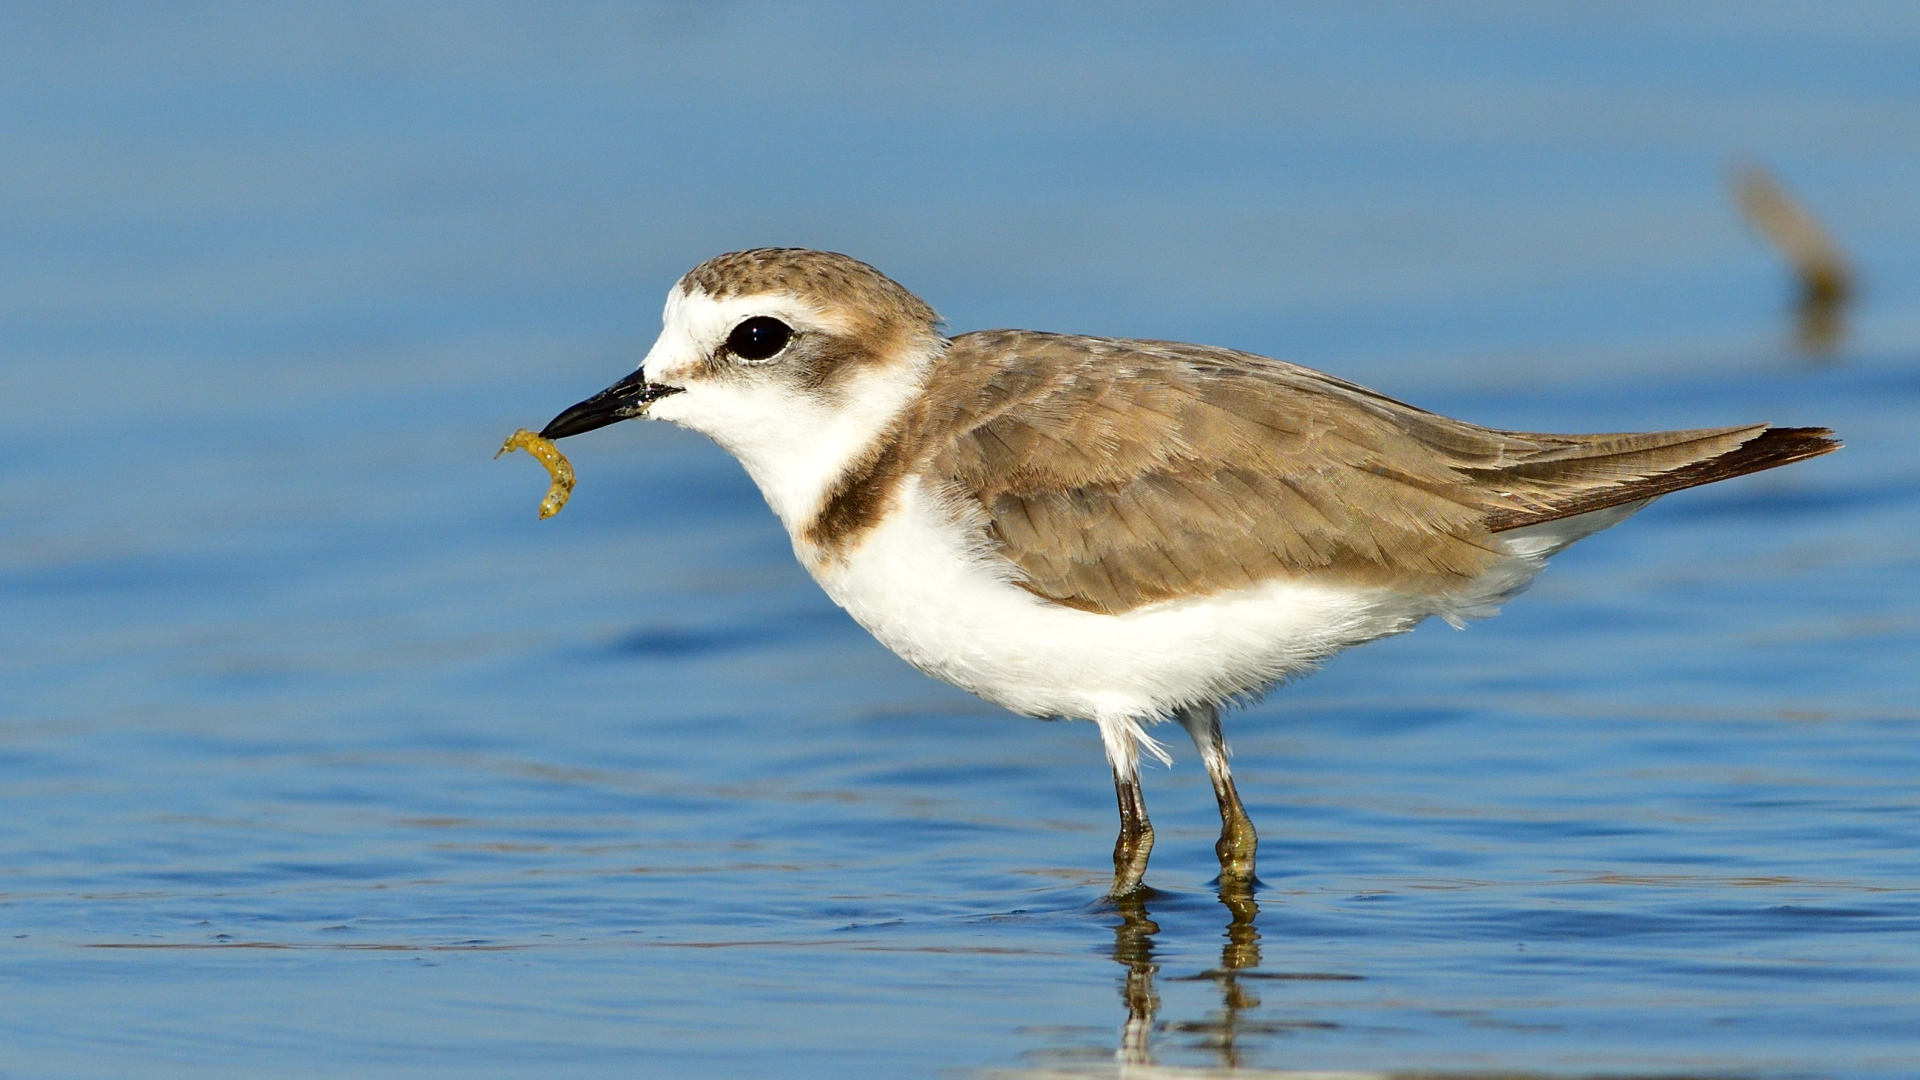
[(793, 360)]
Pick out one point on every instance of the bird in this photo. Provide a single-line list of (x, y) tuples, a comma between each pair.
[(1115, 530)]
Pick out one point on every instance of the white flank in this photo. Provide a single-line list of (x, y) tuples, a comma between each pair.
[(953, 611)]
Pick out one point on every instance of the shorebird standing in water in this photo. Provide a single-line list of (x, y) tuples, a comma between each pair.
[(1120, 531)]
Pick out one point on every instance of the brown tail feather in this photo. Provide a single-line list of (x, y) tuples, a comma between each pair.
[(1770, 449)]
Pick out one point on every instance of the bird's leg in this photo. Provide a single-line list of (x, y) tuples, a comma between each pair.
[(1238, 841), (1130, 851)]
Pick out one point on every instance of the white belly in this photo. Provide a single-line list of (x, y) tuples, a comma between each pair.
[(956, 615)]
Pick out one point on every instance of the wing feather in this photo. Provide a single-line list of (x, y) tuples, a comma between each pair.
[(1114, 474)]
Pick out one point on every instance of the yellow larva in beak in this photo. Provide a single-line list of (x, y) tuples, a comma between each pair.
[(557, 465)]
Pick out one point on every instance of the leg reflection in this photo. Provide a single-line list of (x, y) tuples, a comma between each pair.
[(1240, 953), (1220, 1032), (1133, 950)]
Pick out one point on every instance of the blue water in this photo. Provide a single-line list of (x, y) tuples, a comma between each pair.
[(320, 755)]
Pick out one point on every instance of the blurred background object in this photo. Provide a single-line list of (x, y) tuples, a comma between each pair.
[(1826, 283)]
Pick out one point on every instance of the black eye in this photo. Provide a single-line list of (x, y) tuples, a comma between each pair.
[(759, 338)]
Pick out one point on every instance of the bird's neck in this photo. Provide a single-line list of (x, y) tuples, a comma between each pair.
[(804, 453)]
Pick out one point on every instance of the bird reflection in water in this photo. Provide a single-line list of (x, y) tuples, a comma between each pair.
[(1221, 1031), (1133, 950)]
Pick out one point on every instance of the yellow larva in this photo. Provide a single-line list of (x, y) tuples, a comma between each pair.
[(557, 466)]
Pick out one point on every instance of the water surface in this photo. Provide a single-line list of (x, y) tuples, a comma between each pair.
[(322, 755)]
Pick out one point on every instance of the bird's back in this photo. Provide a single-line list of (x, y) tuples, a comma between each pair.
[(1116, 473)]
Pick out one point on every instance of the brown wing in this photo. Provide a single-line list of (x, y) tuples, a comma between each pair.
[(1119, 473)]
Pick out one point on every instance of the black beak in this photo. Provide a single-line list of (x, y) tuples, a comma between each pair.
[(623, 400)]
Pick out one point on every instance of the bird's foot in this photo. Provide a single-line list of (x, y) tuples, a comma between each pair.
[(1130, 862), (1236, 848)]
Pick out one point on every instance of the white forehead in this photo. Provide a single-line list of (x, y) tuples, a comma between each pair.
[(694, 324)]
